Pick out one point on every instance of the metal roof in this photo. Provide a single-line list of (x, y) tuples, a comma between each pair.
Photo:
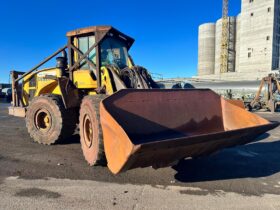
[(102, 29)]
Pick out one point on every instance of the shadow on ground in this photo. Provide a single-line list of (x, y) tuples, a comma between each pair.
[(75, 139), (260, 159)]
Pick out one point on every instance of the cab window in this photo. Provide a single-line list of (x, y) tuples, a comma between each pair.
[(114, 52), (84, 43)]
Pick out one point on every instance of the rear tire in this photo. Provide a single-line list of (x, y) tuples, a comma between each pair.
[(47, 120), (91, 135)]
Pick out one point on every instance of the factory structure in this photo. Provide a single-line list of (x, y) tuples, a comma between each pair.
[(253, 43)]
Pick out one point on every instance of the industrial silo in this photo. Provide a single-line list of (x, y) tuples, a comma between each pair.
[(206, 49), (231, 45)]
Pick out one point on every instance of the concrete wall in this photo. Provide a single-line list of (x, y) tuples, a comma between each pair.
[(218, 47), (206, 49), (237, 44), (256, 36)]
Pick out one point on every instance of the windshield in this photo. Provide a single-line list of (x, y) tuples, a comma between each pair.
[(114, 52)]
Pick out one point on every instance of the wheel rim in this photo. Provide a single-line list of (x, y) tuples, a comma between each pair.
[(43, 120), (88, 131)]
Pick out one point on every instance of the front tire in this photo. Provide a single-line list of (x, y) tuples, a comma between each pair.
[(47, 120), (91, 135)]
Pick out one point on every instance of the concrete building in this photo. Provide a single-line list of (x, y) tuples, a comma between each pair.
[(254, 41)]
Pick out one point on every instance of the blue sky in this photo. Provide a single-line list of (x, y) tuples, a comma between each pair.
[(165, 31)]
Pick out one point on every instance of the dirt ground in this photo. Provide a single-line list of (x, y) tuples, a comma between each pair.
[(244, 177)]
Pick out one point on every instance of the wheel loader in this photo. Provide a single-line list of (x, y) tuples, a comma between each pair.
[(125, 120)]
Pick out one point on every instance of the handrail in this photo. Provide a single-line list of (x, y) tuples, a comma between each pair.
[(42, 63)]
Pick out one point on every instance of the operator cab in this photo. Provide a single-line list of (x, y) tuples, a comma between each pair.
[(93, 51), (112, 45)]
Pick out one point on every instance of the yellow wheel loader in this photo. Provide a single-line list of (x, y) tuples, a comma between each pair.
[(125, 121)]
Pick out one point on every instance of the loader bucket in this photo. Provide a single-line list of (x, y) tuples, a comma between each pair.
[(158, 127)]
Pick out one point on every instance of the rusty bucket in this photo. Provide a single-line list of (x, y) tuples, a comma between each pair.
[(158, 127)]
